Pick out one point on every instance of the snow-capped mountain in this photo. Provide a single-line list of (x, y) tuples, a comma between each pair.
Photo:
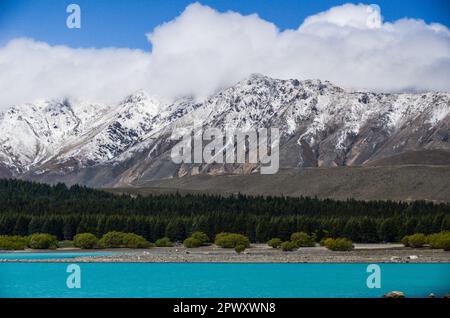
[(321, 125), (30, 134)]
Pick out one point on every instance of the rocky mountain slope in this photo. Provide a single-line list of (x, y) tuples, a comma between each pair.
[(321, 125)]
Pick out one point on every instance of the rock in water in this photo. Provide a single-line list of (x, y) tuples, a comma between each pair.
[(394, 294)]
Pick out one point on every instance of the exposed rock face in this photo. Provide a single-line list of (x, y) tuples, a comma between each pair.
[(321, 125)]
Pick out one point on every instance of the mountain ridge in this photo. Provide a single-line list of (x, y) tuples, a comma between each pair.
[(321, 125)]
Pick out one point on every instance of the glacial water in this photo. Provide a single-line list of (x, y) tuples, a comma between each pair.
[(220, 280)]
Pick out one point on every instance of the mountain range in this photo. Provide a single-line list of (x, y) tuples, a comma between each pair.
[(322, 127)]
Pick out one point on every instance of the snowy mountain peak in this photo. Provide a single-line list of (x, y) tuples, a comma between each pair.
[(320, 124), (136, 97)]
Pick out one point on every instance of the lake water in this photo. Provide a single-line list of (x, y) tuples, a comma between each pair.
[(219, 280)]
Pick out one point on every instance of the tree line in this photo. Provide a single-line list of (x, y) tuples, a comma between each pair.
[(28, 207)]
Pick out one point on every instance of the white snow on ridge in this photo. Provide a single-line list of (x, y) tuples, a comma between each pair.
[(63, 130)]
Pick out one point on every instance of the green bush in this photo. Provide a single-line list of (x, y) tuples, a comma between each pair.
[(239, 248), (432, 240), (322, 241), (191, 242), (112, 239), (405, 240), (338, 244), (164, 242), (444, 242), (85, 240), (196, 239), (13, 242), (132, 240), (275, 242), (120, 239), (201, 237), (415, 240), (42, 241), (288, 246), (439, 240), (231, 240), (301, 239)]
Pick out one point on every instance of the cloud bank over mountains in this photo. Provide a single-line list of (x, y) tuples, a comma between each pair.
[(203, 50)]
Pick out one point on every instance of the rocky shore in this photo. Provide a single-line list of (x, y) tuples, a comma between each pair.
[(261, 253)]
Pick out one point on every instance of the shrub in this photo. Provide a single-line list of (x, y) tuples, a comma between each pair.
[(196, 239), (112, 239), (132, 240), (13, 242), (301, 239), (288, 246), (164, 242), (405, 240), (191, 242), (239, 248), (432, 239), (201, 237), (85, 240), (322, 241), (231, 240), (415, 240), (439, 240), (444, 242), (338, 244), (120, 239), (43, 241), (275, 242)]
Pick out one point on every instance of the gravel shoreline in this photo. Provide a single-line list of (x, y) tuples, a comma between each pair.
[(258, 253)]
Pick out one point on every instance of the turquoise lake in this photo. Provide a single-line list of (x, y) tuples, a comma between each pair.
[(220, 280)]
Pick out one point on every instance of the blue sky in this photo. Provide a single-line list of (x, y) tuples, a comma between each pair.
[(120, 23), (214, 44)]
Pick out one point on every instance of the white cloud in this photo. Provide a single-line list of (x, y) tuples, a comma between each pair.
[(32, 70), (348, 15), (203, 50)]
